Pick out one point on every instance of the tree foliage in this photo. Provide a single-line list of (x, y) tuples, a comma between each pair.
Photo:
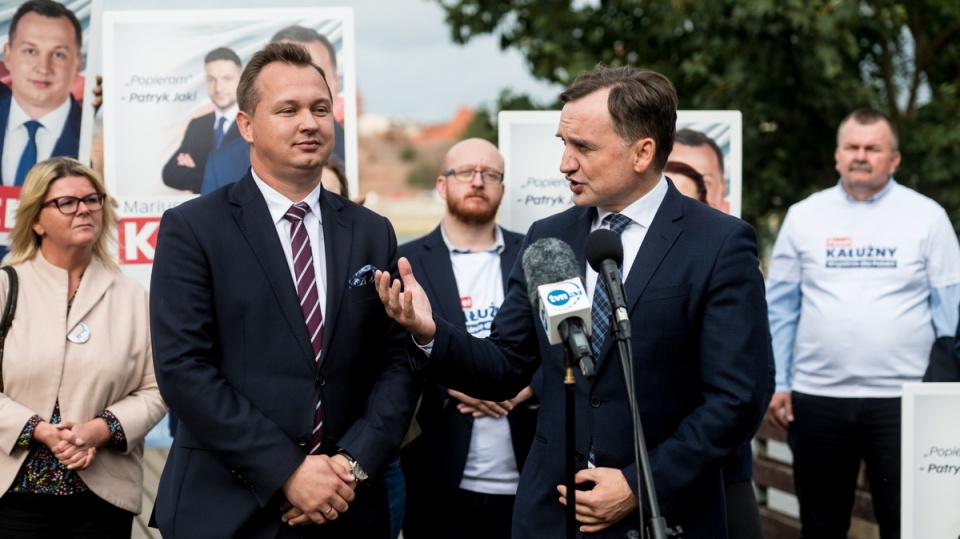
[(794, 68)]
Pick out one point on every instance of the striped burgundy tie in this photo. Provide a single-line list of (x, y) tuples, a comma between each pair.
[(306, 281)]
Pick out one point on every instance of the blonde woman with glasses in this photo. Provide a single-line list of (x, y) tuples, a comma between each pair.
[(79, 393)]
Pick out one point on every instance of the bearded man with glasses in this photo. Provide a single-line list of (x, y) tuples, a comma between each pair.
[(463, 470)]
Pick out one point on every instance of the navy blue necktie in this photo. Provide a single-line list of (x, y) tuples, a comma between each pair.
[(218, 132), (29, 156), (601, 312)]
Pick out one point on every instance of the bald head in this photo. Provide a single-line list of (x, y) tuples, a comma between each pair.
[(473, 151)]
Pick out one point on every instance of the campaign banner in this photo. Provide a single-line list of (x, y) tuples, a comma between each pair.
[(69, 86), (169, 75), (930, 477), (535, 187)]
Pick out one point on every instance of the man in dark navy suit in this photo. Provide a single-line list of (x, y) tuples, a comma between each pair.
[(695, 300), (184, 170), (291, 384), (38, 117), (463, 469)]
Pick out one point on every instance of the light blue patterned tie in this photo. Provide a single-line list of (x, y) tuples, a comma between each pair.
[(29, 156), (601, 312)]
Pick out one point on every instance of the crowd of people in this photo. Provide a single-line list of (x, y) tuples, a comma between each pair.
[(310, 358)]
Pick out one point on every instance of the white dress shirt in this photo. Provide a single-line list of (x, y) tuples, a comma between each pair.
[(641, 213), (16, 137), (278, 205)]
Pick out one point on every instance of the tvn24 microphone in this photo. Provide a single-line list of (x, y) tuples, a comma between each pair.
[(556, 290), (604, 252)]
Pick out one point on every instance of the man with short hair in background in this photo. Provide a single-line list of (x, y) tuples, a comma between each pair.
[(863, 281), (463, 470), (705, 156), (211, 131)]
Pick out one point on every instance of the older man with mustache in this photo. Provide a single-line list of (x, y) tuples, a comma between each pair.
[(862, 290)]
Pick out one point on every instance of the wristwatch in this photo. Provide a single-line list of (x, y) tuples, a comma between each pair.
[(355, 468)]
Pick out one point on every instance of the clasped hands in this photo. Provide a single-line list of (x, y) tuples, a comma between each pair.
[(319, 490), (73, 444), (468, 405)]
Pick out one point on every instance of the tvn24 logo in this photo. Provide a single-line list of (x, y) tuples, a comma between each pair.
[(563, 296)]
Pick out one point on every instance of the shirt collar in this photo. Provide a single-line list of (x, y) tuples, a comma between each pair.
[(641, 211), (883, 192), (230, 115), (52, 121), (278, 204), (497, 247)]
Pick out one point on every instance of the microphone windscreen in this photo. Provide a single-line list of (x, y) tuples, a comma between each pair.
[(545, 261), (601, 245)]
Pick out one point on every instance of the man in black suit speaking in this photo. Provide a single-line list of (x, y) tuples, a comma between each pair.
[(206, 133), (696, 307)]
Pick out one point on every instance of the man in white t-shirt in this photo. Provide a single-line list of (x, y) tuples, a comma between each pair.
[(463, 470), (864, 278)]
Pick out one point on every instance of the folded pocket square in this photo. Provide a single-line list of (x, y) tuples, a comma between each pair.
[(363, 277)]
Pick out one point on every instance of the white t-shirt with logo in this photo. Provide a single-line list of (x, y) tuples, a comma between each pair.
[(865, 271), (491, 466)]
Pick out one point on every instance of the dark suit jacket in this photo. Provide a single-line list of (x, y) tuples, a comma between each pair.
[(226, 164), (198, 142), (230, 161), (234, 362), (68, 145), (435, 461), (696, 302)]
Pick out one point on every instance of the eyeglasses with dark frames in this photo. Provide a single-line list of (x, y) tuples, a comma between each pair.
[(70, 205), (466, 174)]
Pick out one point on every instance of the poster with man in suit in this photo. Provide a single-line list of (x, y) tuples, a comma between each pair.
[(163, 97), (41, 90)]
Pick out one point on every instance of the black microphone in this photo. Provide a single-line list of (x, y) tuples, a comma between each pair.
[(555, 289), (604, 252)]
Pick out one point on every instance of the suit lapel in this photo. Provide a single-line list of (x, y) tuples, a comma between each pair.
[(251, 214), (440, 279), (511, 251), (663, 233), (576, 237), (338, 246), (5, 117), (233, 132), (69, 142), (96, 280)]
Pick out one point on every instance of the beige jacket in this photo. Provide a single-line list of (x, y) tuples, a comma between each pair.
[(113, 370)]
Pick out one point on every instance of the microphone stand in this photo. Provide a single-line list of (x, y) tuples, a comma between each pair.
[(656, 525), (576, 349), (570, 442)]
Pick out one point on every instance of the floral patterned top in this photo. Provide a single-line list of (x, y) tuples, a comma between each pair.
[(42, 473)]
